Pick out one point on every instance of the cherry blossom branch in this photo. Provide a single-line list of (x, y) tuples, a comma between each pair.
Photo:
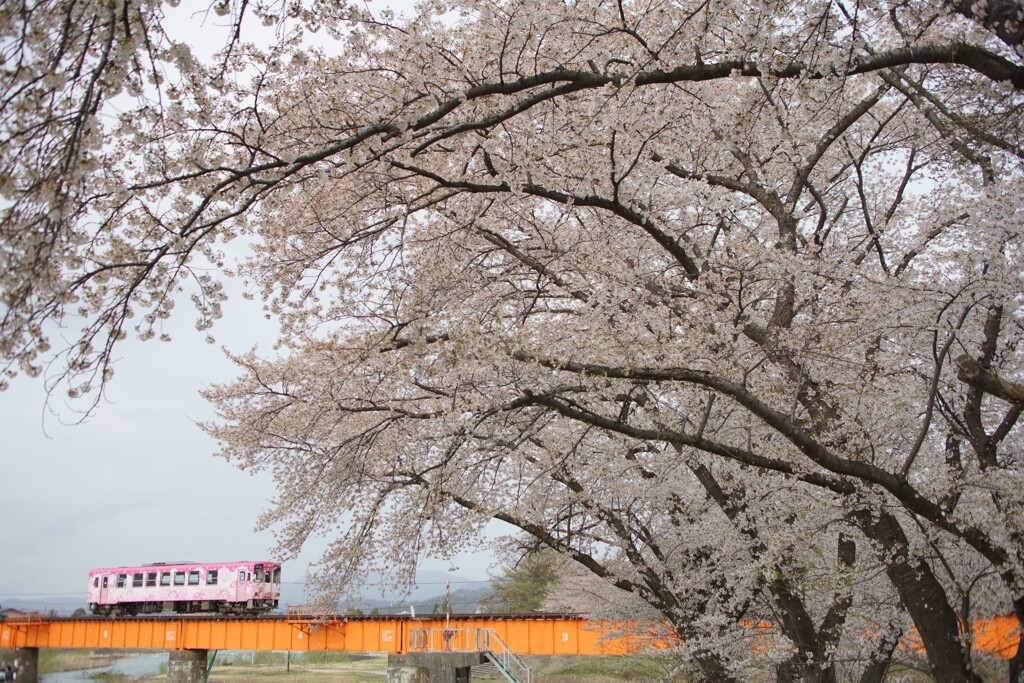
[(987, 63), (866, 472), (628, 213)]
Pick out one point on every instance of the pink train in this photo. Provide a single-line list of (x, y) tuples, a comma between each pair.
[(229, 587)]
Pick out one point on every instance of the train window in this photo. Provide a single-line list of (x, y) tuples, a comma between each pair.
[(151, 579), (193, 578), (241, 577), (211, 577), (104, 582), (179, 578), (121, 579), (95, 582), (259, 573), (277, 575), (137, 580), (165, 578)]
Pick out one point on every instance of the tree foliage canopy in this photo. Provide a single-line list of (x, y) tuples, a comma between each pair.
[(720, 299), (524, 584)]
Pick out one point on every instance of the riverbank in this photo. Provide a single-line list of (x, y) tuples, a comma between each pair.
[(56, 660)]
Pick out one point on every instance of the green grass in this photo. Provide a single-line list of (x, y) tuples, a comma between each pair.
[(305, 667), (353, 667), (591, 669)]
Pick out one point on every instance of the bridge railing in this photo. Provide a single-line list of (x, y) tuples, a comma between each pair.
[(447, 640), (310, 613), (471, 640), (14, 617)]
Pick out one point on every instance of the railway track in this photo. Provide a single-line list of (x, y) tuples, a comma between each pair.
[(286, 617)]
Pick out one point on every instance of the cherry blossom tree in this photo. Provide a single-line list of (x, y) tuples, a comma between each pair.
[(720, 300)]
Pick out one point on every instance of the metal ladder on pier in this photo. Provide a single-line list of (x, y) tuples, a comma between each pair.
[(483, 640), (511, 665)]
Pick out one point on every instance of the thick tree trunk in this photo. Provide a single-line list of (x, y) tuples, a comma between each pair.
[(808, 664), (1017, 662), (881, 656), (923, 596), (795, 670), (713, 670)]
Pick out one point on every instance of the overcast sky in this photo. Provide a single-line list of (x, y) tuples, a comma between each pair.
[(138, 482)]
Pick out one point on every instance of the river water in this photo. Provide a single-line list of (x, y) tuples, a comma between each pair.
[(142, 665)]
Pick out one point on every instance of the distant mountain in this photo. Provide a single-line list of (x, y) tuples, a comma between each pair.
[(60, 605), (464, 600), (428, 593)]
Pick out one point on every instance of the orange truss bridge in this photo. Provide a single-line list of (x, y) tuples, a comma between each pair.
[(500, 638), (306, 629), (303, 630)]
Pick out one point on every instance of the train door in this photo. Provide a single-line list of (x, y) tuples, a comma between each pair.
[(242, 585), (104, 585), (259, 590)]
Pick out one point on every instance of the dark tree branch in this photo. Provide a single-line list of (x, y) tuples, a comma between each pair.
[(973, 373)]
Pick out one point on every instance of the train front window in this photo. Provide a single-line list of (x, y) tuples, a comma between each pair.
[(165, 578), (259, 573), (277, 575), (95, 582)]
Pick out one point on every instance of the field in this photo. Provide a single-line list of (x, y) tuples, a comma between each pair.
[(238, 667), (343, 667)]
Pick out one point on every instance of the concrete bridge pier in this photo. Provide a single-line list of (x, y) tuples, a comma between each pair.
[(433, 667), (26, 662), (187, 666)]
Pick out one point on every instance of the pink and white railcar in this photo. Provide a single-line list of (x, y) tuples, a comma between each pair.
[(229, 587)]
